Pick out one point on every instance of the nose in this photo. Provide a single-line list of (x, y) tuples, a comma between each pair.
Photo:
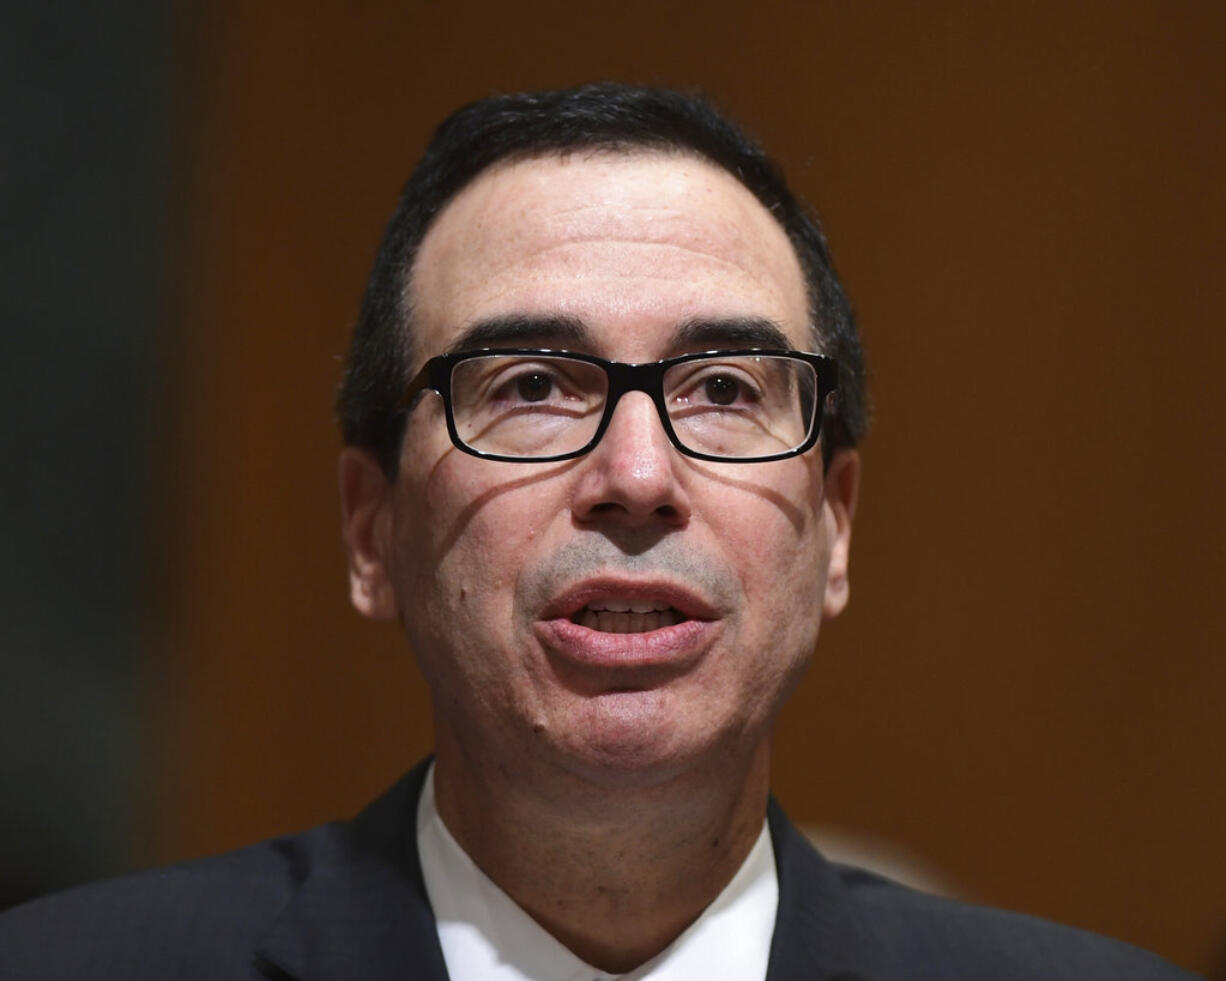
[(631, 476)]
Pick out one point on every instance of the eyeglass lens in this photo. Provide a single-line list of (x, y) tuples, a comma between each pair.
[(530, 406)]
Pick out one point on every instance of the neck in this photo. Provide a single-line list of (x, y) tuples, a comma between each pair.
[(616, 875)]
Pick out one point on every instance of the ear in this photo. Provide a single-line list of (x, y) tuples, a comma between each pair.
[(366, 511), (839, 494)]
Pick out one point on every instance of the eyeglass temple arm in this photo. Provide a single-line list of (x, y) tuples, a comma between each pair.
[(425, 379)]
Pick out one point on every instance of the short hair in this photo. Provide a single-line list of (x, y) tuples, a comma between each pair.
[(602, 117)]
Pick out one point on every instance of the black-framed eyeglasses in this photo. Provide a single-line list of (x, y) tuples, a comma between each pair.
[(526, 405)]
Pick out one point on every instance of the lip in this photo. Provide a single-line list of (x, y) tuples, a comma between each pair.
[(675, 647), (684, 600)]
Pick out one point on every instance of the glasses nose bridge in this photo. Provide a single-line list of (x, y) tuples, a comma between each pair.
[(647, 378)]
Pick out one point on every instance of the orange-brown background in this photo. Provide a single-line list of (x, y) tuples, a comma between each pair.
[(1026, 203)]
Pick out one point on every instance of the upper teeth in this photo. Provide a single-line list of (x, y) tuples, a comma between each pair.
[(626, 621), (628, 606)]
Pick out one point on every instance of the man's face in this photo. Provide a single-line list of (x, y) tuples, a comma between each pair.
[(516, 581)]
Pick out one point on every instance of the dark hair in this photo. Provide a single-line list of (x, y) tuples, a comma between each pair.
[(602, 117)]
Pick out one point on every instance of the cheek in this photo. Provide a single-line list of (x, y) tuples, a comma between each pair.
[(776, 537), (786, 594), (461, 565), (778, 541), (481, 532), (454, 614)]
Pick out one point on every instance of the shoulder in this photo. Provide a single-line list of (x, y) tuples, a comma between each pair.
[(199, 919), (859, 925), (331, 895), (911, 929)]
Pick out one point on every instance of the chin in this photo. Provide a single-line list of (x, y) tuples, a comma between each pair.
[(634, 740)]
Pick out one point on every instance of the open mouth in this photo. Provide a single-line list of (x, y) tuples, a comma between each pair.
[(616, 616), (621, 624)]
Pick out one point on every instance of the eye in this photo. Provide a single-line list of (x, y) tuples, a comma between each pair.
[(722, 386), (534, 386), (721, 389), (528, 384)]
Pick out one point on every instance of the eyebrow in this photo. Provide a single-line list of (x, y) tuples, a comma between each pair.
[(733, 332), (563, 332), (522, 330)]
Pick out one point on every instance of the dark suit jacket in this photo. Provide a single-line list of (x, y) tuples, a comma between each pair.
[(346, 902)]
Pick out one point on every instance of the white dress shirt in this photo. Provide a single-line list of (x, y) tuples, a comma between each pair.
[(485, 936)]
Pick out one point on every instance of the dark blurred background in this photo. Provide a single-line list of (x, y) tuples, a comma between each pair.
[(1026, 202)]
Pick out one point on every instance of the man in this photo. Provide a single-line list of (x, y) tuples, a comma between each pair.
[(600, 418)]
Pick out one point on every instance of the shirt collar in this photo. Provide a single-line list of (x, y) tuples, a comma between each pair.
[(486, 936)]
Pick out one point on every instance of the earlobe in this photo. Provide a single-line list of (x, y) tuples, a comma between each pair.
[(840, 493), (366, 500)]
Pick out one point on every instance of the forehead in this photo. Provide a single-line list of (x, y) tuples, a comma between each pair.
[(631, 246)]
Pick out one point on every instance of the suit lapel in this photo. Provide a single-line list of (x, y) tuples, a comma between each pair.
[(362, 911), (818, 935)]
